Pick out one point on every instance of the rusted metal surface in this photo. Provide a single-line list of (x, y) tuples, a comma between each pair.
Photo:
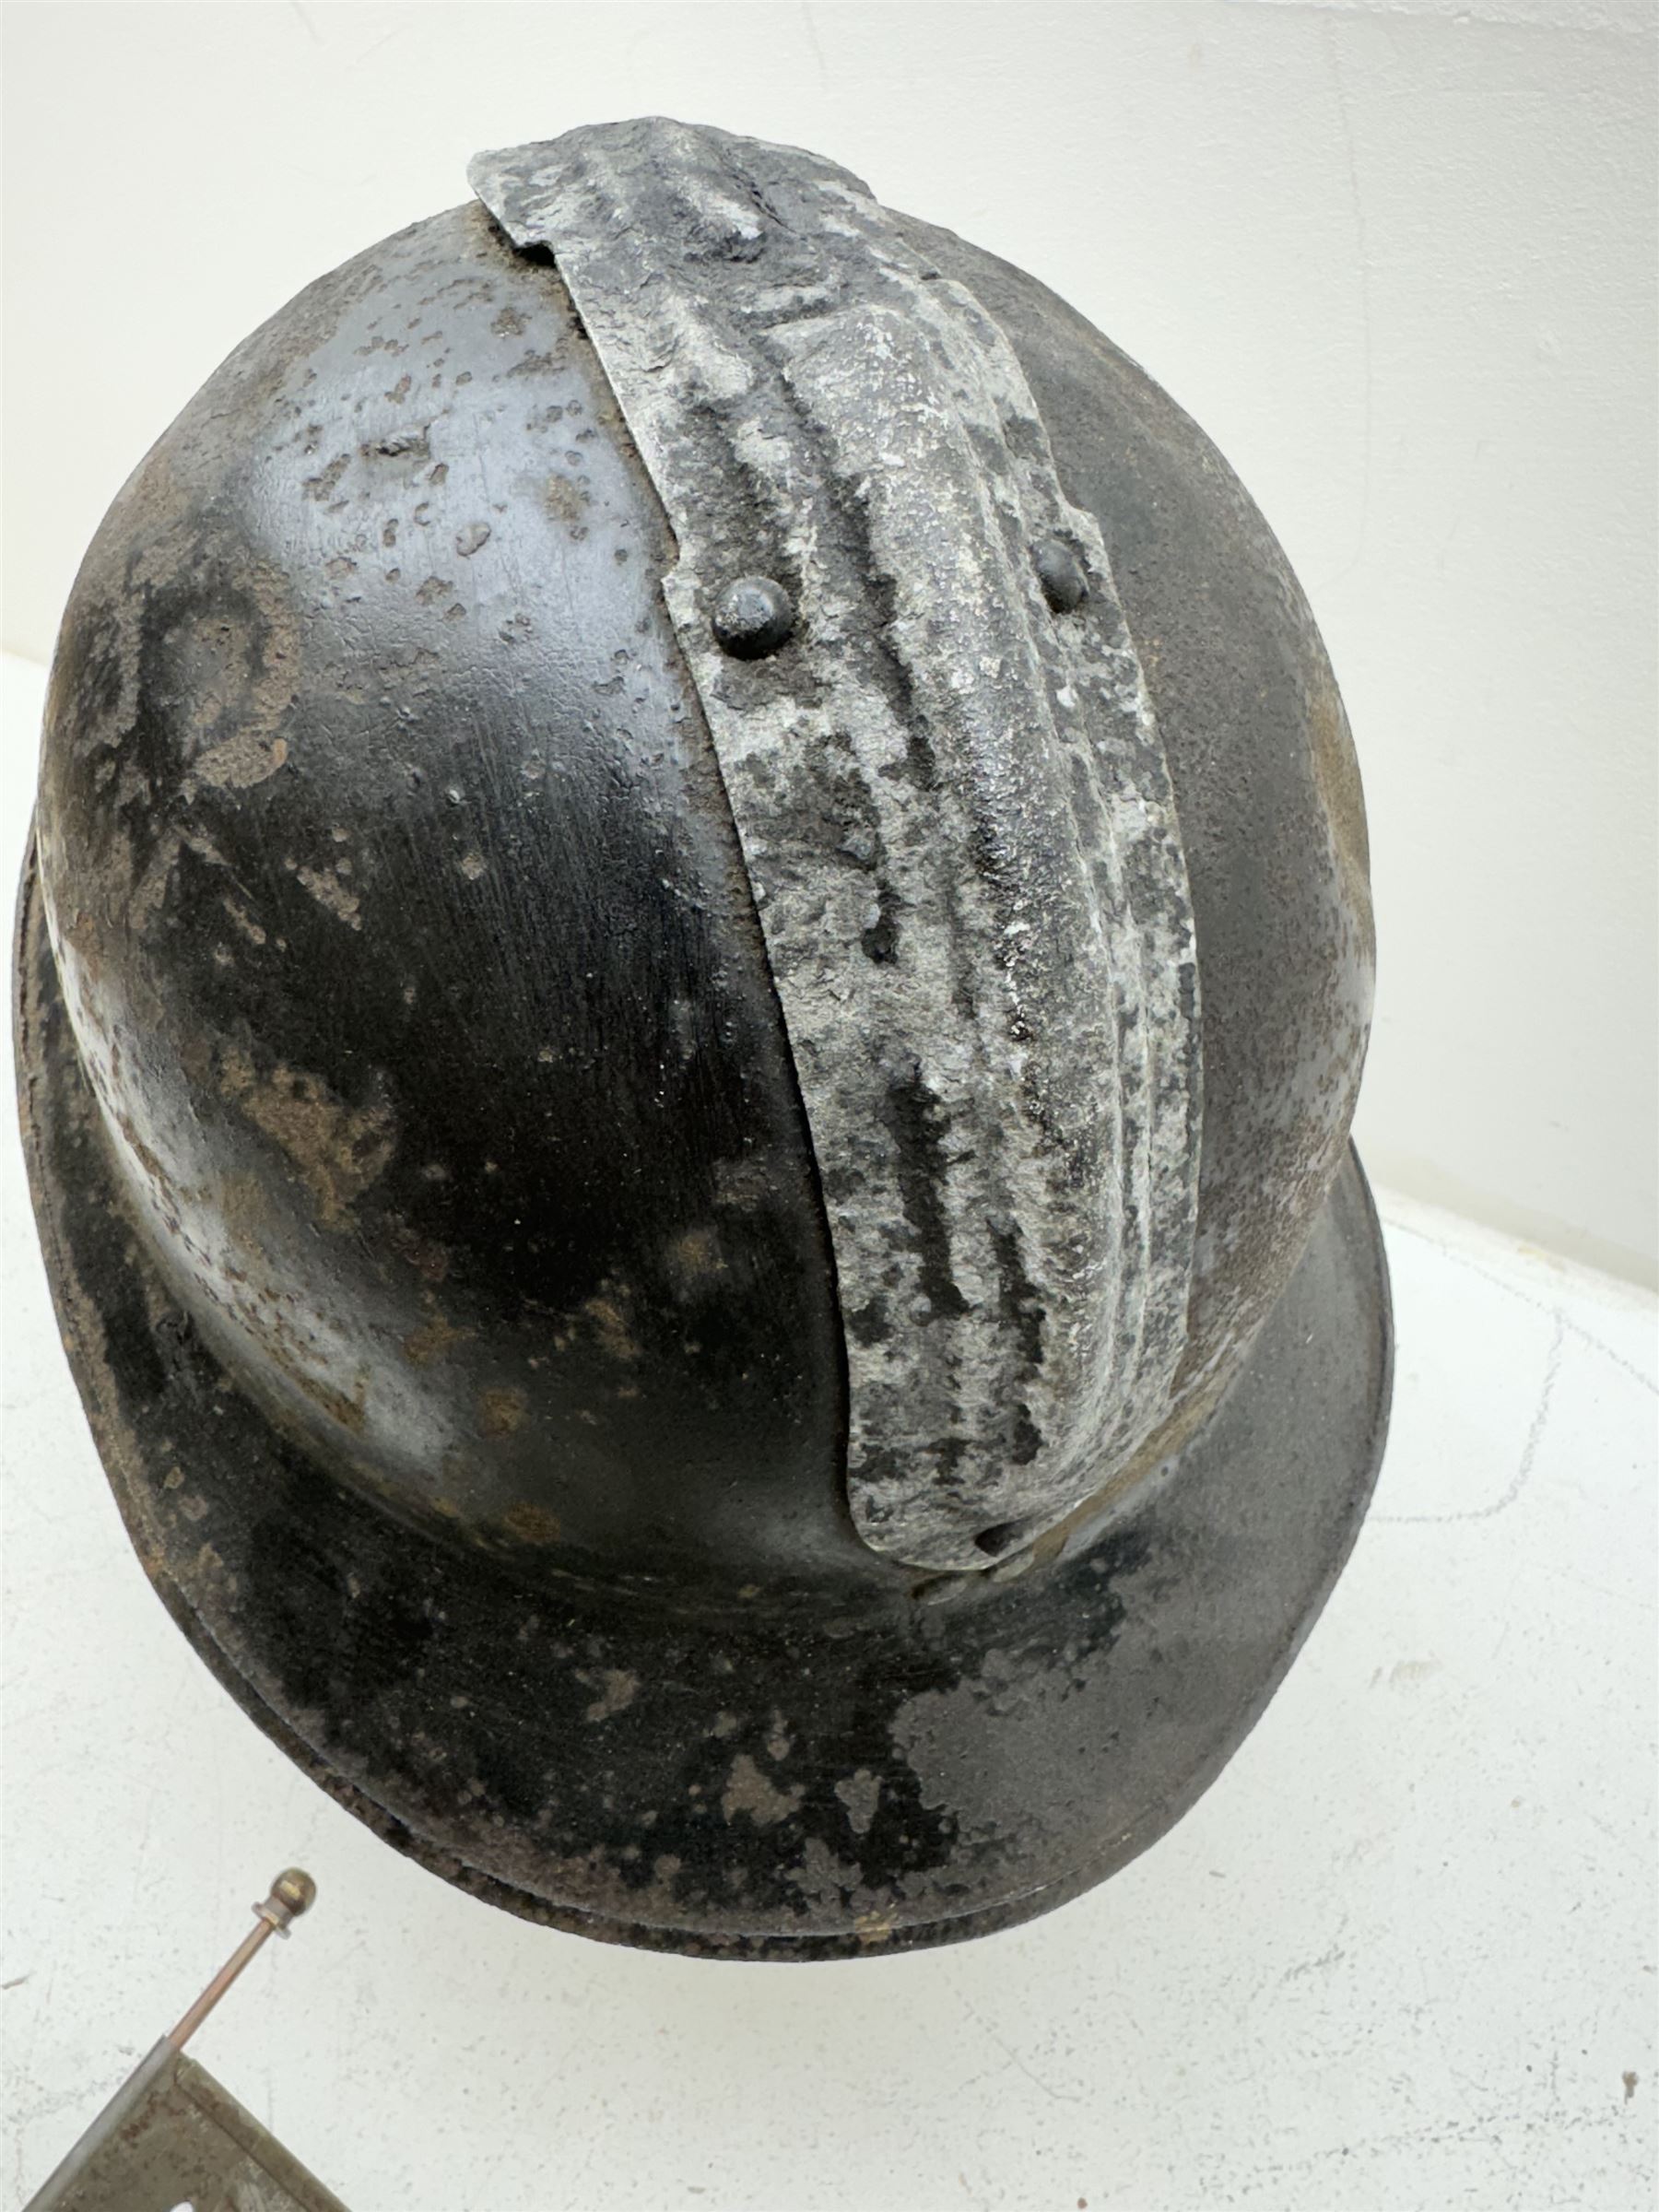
[(437, 1228), (175, 2137)]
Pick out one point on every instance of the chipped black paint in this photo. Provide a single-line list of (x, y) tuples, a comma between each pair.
[(488, 820), (432, 1221), (904, 1775)]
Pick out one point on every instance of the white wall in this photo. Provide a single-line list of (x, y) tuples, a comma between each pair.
[(1398, 259)]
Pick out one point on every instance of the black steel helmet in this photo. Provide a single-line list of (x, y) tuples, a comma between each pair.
[(691, 992)]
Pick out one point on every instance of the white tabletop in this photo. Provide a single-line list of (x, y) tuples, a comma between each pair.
[(1401, 1955)]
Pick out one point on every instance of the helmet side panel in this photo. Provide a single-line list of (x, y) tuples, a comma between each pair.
[(409, 951)]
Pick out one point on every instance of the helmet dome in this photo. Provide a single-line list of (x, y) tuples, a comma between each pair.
[(692, 985)]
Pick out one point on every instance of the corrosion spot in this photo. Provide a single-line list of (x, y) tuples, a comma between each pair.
[(610, 1329), (694, 1258), (750, 1792), (531, 1524), (1337, 773), (322, 487), (330, 892), (861, 1794), (433, 1340), (502, 1409), (251, 929), (339, 1149), (565, 502), (241, 760), (617, 1689), (348, 1411), (428, 1259)]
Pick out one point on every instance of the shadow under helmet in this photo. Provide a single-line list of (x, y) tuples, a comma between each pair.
[(690, 991)]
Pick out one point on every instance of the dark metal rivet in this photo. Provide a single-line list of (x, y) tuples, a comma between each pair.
[(1060, 573), (753, 617)]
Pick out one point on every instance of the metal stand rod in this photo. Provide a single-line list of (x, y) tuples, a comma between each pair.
[(291, 1894)]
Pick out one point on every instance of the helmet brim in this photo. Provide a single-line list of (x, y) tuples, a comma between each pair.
[(759, 1780)]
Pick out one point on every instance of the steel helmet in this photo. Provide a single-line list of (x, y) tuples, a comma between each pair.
[(690, 991)]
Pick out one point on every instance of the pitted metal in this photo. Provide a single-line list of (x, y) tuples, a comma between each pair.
[(952, 802)]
